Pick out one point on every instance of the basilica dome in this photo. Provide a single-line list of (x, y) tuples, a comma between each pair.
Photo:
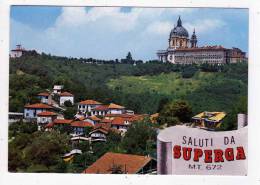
[(179, 30)]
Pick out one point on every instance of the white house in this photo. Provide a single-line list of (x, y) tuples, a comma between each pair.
[(101, 110), (14, 117), (99, 134), (131, 112), (44, 97), (57, 89), (78, 127), (66, 96), (120, 124), (93, 119), (17, 52), (31, 111), (43, 118), (115, 109), (87, 105)]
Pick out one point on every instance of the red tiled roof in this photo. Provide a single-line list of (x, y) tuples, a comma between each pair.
[(43, 94), (120, 115), (46, 113), (203, 48), (154, 117), (49, 125), (94, 118), (80, 118), (104, 130), (131, 164), (102, 125), (137, 117), (115, 106), (118, 121), (66, 94), (101, 108), (18, 49), (62, 121), (38, 106), (105, 120), (81, 124), (90, 102)]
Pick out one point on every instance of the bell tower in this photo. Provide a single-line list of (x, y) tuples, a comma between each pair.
[(193, 40)]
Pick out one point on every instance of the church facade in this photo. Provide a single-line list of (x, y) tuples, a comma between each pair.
[(185, 50)]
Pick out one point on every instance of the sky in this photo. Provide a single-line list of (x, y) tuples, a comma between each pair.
[(111, 32)]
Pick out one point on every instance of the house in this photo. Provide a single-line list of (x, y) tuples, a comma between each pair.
[(15, 117), (59, 123), (31, 111), (106, 121), (57, 89), (44, 97), (154, 117), (100, 110), (78, 127), (69, 156), (93, 119), (130, 112), (66, 96), (17, 52), (79, 118), (43, 118), (62, 121), (87, 105), (99, 133), (77, 140), (115, 109), (208, 119), (130, 117), (137, 117), (113, 116), (120, 124), (117, 163)]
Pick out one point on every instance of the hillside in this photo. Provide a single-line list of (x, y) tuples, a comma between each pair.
[(143, 88), (205, 90)]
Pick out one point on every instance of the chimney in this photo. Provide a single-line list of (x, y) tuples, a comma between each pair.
[(241, 120)]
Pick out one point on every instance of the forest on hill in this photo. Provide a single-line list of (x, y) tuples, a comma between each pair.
[(141, 86)]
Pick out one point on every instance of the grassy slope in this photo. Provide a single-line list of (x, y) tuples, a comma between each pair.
[(205, 91), (168, 84)]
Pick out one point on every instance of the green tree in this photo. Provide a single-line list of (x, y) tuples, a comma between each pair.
[(21, 127), (189, 71), (128, 59), (68, 103), (61, 167), (47, 148), (230, 121), (162, 102), (175, 112), (140, 139), (129, 56), (70, 112)]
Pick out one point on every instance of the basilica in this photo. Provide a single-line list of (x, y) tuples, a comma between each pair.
[(185, 50)]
